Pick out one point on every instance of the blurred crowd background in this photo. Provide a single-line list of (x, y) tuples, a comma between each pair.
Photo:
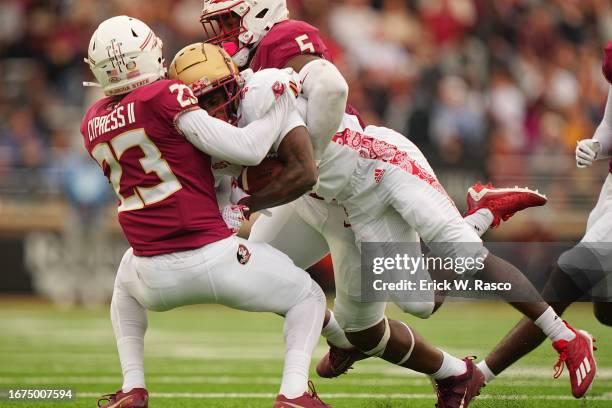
[(490, 90)]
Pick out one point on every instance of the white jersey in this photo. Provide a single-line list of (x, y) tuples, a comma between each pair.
[(337, 161), (262, 92)]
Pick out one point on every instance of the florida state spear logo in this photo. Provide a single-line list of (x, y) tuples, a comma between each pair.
[(243, 255)]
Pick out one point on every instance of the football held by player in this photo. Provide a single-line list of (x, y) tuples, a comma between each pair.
[(240, 26), (154, 144)]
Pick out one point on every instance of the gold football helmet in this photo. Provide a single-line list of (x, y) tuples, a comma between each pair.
[(212, 76)]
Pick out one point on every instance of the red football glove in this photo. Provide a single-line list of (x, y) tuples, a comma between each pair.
[(607, 62)]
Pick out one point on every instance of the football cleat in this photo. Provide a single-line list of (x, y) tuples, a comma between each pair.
[(134, 398), (578, 356), (308, 400), (458, 391), (502, 202), (338, 361)]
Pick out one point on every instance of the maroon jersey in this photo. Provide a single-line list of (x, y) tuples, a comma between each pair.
[(167, 200), (289, 39), (286, 40)]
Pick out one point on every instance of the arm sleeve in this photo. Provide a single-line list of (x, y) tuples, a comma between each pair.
[(327, 92), (246, 146), (264, 90), (603, 133)]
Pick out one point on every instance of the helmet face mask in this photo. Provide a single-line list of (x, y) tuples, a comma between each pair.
[(223, 27), (221, 100), (212, 76), (242, 23)]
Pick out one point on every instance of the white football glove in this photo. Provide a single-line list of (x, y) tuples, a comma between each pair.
[(587, 151), (233, 215)]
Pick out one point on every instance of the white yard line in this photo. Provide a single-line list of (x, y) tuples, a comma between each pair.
[(240, 395)]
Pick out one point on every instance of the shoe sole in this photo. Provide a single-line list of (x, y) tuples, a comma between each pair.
[(477, 196)]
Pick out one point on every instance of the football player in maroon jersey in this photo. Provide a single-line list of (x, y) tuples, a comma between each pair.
[(154, 143)]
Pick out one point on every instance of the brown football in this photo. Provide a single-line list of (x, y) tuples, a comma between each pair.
[(253, 179)]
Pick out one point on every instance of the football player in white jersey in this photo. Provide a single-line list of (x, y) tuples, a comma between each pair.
[(585, 269)]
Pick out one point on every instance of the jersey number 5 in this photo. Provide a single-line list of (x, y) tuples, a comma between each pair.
[(152, 162), (305, 43)]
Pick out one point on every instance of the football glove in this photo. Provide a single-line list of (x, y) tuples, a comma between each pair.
[(234, 216), (587, 151)]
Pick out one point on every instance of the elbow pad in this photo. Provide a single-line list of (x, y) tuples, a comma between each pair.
[(322, 75)]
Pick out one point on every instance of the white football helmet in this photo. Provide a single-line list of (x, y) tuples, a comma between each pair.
[(241, 22), (125, 54)]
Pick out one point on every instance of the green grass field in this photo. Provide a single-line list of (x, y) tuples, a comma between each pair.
[(209, 356)]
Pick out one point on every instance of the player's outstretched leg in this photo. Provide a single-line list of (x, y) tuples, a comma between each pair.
[(526, 336), (575, 347), (457, 381), (448, 235)]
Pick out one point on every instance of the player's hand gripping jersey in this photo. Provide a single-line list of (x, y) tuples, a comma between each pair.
[(164, 184)]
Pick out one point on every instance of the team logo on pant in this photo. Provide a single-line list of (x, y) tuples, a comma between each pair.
[(378, 175), (243, 255)]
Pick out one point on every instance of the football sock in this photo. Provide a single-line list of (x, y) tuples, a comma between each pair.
[(334, 334), (129, 320), (451, 366), (481, 220), (553, 326), (302, 330), (484, 368)]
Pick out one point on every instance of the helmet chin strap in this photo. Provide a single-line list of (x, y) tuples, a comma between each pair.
[(241, 58)]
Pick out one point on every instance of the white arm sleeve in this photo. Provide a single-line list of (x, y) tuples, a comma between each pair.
[(260, 97), (246, 146), (603, 133), (327, 92)]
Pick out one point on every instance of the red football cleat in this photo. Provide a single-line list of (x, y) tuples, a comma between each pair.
[(578, 356), (458, 391), (338, 361), (308, 400), (135, 398), (502, 202)]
